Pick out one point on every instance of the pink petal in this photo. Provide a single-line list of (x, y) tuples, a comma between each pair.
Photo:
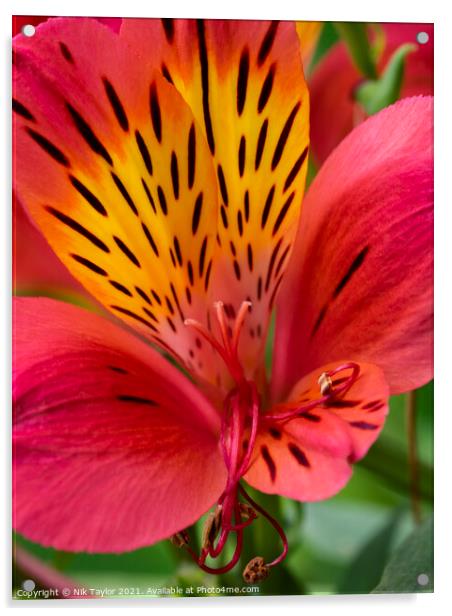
[(360, 282), (114, 449), (308, 458), (333, 111)]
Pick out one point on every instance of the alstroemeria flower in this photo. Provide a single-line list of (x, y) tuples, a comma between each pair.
[(166, 168)]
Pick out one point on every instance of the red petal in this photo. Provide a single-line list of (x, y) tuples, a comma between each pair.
[(114, 449), (360, 281), (308, 458)]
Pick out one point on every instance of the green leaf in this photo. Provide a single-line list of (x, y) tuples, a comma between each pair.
[(328, 37), (376, 94), (412, 559), (355, 37), (366, 568)]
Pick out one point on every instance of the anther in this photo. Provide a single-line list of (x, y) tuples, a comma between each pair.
[(211, 528), (247, 512), (325, 383), (180, 539), (256, 570)]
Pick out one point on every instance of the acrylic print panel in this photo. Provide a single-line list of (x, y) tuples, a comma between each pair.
[(223, 307)]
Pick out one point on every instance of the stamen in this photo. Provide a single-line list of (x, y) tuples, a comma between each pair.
[(180, 539), (327, 390), (275, 525), (256, 570), (326, 384), (211, 528), (244, 308)]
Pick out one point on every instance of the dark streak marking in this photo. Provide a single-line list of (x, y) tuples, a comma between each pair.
[(49, 147), (341, 403), (223, 187), (22, 111), (136, 400), (319, 320), (162, 200), (188, 294), (267, 206), (204, 62), (88, 134), (191, 156), (78, 228), (176, 300), (259, 287), (242, 155), (261, 144), (369, 405), (196, 213), (299, 455), (233, 250), (310, 417), (135, 316), (224, 217), (363, 425), (143, 295), (150, 239), (357, 262), (246, 206), (116, 105), (123, 190), (240, 223), (156, 116), (171, 324), (267, 43), (281, 261), (284, 136), (267, 87), (295, 169), (250, 257), (173, 258), (148, 195), (156, 296), (377, 407), (178, 252), (126, 250), (150, 314), (89, 264), (88, 196), (66, 53), (120, 287), (175, 175), (207, 279), (269, 462), (166, 73), (168, 27), (144, 152), (271, 263), (282, 214), (275, 291), (275, 433), (190, 272), (242, 80), (202, 257), (237, 270), (118, 369)]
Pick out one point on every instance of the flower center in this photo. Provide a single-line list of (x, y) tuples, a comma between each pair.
[(235, 509)]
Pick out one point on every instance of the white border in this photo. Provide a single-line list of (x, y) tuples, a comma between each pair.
[(376, 10)]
